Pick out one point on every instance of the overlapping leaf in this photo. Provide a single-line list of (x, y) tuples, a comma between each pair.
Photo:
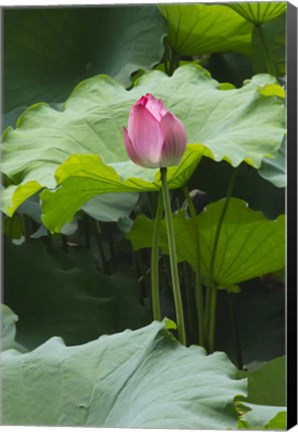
[(141, 379), (111, 207), (249, 244), (88, 176), (196, 29), (235, 125), (47, 51)]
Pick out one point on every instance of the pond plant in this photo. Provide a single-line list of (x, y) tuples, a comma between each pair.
[(143, 216)]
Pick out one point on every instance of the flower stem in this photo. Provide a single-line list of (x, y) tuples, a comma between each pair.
[(173, 257), (212, 318), (198, 282), (211, 291), (189, 322), (174, 62), (155, 261), (207, 311)]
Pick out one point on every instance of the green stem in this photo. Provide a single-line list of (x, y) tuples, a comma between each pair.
[(189, 302), (167, 54), (198, 282), (207, 310), (212, 319), (173, 257), (155, 261), (211, 289), (267, 54), (174, 61)]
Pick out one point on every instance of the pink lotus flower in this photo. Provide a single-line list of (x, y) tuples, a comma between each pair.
[(155, 137)]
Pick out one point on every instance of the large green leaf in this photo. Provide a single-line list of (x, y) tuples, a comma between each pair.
[(259, 12), (63, 294), (47, 51), (196, 29), (88, 177), (235, 125), (249, 244), (141, 379)]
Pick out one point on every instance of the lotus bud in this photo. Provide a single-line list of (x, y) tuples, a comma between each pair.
[(155, 138)]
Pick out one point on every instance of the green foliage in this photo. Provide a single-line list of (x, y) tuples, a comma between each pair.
[(259, 12), (132, 379), (261, 338), (278, 422), (259, 417), (266, 397), (213, 178), (235, 125), (88, 176), (65, 295), (230, 68), (273, 35), (110, 207), (249, 244), (196, 29), (47, 51), (66, 171), (262, 389), (12, 227)]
